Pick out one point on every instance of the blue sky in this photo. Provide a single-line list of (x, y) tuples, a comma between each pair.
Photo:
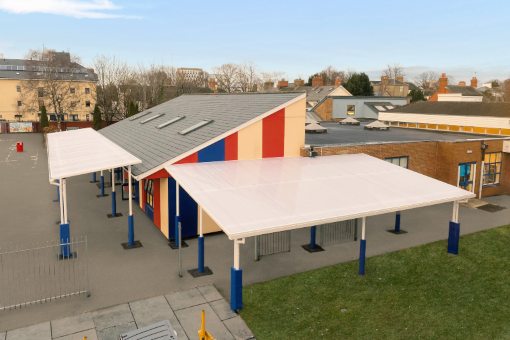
[(297, 37)]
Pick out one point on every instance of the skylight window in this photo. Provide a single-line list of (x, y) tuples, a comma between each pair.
[(195, 127), (171, 121), (140, 116), (146, 120)]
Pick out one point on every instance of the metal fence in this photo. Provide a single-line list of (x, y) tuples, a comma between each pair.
[(272, 244), (43, 273), (337, 232)]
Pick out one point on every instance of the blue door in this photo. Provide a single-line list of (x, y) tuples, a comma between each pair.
[(188, 211), (467, 175)]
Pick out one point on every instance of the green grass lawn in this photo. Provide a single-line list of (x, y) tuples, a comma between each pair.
[(421, 292)]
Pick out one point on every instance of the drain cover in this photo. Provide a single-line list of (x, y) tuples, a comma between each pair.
[(491, 207)]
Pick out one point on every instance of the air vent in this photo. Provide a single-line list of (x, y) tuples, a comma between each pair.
[(171, 121), (140, 116), (195, 127), (146, 120)]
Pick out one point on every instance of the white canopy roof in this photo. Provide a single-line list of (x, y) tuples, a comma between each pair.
[(253, 197), (349, 120), (78, 152)]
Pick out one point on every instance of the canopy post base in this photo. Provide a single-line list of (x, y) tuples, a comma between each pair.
[(312, 247), (236, 289), (114, 206), (65, 243), (101, 187), (396, 230), (131, 243), (93, 178), (201, 270), (453, 238)]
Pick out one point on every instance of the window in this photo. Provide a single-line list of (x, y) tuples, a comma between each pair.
[(18, 88), (149, 199), (72, 90), (19, 102), (87, 103), (402, 161), (492, 168), (40, 92), (74, 117), (351, 110), (87, 90), (87, 117)]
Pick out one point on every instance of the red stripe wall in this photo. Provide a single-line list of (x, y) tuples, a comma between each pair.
[(273, 135), (231, 147), (193, 158), (157, 205)]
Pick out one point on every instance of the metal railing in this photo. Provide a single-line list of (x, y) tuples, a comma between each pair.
[(45, 272), (337, 232), (272, 244)]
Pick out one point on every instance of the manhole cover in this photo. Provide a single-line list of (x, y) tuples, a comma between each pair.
[(491, 207)]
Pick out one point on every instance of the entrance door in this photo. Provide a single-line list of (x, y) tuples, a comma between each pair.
[(467, 175), (149, 198)]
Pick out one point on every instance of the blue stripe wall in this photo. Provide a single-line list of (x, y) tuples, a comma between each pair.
[(212, 153)]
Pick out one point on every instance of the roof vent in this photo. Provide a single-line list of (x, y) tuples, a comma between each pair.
[(196, 127), (146, 120), (140, 116), (171, 121)]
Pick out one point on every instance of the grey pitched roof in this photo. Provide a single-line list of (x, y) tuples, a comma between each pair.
[(464, 90), (457, 108), (156, 146), (30, 69), (313, 93)]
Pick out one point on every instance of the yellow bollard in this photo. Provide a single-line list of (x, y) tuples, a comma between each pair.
[(202, 333)]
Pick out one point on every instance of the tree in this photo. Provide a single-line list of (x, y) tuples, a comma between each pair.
[(132, 109), (227, 77), (416, 95), (50, 85), (248, 78), (43, 119), (97, 120), (329, 76), (358, 84), (393, 71)]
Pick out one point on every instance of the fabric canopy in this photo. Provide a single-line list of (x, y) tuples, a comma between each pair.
[(254, 197), (78, 152)]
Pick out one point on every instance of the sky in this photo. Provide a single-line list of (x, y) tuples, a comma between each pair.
[(298, 38)]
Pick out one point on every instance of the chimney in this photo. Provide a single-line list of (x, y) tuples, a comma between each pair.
[(282, 83), (268, 85), (462, 83), (317, 81), (299, 82), (399, 79), (474, 82), (443, 82), (338, 81)]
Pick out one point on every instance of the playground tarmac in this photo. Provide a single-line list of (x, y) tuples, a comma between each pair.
[(118, 276)]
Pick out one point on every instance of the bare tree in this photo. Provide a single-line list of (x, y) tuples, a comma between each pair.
[(427, 80), (227, 77), (394, 71), (248, 78), (51, 82)]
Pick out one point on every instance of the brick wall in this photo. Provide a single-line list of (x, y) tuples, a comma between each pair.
[(439, 160)]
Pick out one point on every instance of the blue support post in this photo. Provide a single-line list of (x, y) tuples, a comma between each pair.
[(94, 178), (201, 254), (131, 231), (65, 240), (453, 238), (362, 251), (236, 289), (312, 247), (114, 203), (397, 222), (313, 231)]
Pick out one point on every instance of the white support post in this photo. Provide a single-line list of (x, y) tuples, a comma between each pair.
[(64, 199), (130, 191), (237, 243), (481, 180), (113, 180), (200, 222), (363, 227), (61, 203), (176, 199), (455, 213), (473, 188), (458, 176)]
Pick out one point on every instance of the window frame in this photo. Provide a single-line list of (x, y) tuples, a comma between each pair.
[(149, 192), (492, 168), (399, 158), (347, 111), (87, 90)]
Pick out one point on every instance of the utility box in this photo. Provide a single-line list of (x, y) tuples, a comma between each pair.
[(19, 146)]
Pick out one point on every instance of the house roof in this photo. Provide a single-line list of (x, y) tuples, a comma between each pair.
[(33, 69), (464, 90), (457, 108), (140, 136)]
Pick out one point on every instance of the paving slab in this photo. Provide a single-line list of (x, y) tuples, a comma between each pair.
[(152, 310), (71, 325), (185, 299), (113, 316), (190, 319), (210, 293), (90, 334), (238, 328), (113, 333), (222, 309), (40, 331)]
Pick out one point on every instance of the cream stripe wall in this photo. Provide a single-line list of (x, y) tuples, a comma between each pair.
[(140, 194), (249, 142), (163, 205), (295, 116), (481, 121)]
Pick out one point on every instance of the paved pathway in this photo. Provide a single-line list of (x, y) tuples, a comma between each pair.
[(183, 310)]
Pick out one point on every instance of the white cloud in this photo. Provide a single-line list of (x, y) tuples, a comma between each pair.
[(90, 9)]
